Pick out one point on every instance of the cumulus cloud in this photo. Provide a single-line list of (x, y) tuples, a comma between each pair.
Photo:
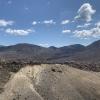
[(34, 23), (98, 24), (66, 31), (83, 33), (84, 26), (4, 23), (18, 32), (85, 12), (93, 32), (65, 22), (49, 22)]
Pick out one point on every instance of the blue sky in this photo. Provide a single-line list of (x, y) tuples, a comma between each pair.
[(49, 22)]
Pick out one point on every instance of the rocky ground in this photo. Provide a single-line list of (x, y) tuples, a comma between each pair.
[(50, 82)]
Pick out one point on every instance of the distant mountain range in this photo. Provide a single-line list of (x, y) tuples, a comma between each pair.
[(33, 53)]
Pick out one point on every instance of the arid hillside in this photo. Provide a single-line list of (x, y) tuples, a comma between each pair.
[(79, 56), (52, 82)]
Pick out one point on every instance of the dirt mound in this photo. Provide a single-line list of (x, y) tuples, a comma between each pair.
[(52, 82)]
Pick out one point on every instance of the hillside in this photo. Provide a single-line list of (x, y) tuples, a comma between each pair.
[(31, 72), (89, 55), (30, 52), (52, 82), (79, 56)]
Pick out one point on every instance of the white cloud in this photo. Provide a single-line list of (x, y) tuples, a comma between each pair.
[(84, 26), (93, 32), (19, 32), (49, 22), (44, 44), (66, 31), (98, 24), (82, 33), (34, 23), (85, 12), (65, 22), (4, 23)]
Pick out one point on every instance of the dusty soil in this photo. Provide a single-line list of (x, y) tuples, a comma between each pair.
[(52, 82)]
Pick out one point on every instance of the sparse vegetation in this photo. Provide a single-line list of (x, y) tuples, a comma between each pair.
[(50, 62), (45, 82)]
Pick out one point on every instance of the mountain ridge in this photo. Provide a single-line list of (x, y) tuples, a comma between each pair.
[(76, 55)]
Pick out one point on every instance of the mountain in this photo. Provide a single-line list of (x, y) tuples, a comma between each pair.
[(90, 55), (76, 55), (31, 72), (81, 53), (88, 58), (37, 53)]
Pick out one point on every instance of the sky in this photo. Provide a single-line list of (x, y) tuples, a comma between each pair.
[(49, 22)]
